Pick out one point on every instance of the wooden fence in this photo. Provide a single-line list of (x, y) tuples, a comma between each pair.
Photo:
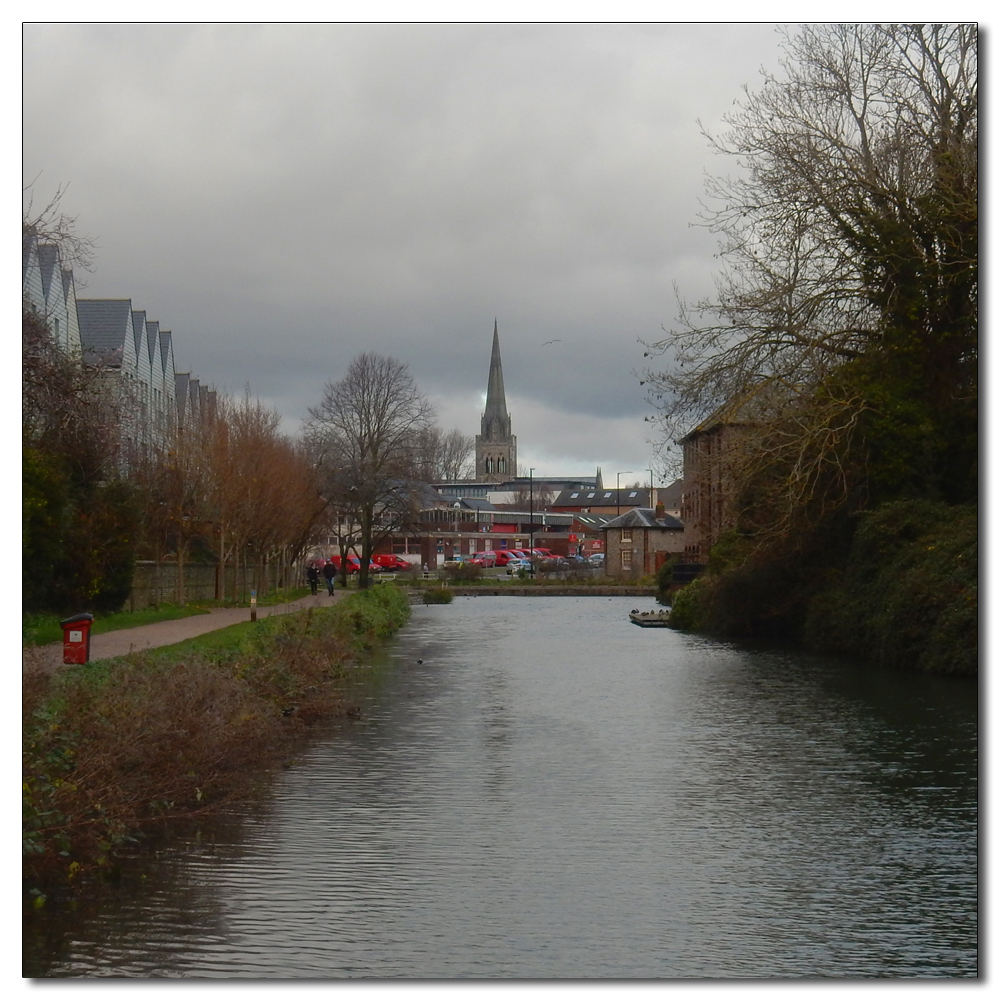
[(156, 583)]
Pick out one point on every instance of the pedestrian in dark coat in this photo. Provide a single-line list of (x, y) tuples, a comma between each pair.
[(330, 573), (312, 575)]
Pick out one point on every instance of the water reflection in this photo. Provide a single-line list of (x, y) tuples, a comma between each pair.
[(553, 792)]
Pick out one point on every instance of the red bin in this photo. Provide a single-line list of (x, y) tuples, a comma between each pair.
[(76, 638)]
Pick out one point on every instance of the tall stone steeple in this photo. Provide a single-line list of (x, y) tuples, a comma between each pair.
[(496, 447)]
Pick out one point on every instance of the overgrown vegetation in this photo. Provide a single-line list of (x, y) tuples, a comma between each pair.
[(905, 594), (908, 596), (113, 747), (80, 519), (439, 595), (840, 353)]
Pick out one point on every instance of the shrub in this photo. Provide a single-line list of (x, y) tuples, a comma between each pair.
[(909, 595), (463, 573), (438, 595), (691, 604)]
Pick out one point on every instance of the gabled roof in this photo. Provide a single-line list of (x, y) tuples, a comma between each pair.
[(166, 342), (645, 517), (138, 329), (152, 336), (48, 258), (104, 324)]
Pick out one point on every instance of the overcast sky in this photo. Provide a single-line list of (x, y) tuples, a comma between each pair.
[(283, 197)]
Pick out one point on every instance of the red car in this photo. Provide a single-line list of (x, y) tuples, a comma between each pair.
[(486, 559), (354, 564), (392, 563), (506, 555)]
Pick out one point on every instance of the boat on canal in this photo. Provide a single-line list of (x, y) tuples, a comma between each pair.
[(650, 619)]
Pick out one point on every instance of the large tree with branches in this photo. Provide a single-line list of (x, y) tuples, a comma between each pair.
[(364, 433), (845, 321)]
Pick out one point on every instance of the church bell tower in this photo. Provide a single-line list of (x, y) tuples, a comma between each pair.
[(496, 447)]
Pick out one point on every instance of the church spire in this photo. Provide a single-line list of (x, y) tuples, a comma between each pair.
[(496, 400), (496, 447)]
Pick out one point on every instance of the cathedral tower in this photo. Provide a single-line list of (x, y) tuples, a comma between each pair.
[(496, 447)]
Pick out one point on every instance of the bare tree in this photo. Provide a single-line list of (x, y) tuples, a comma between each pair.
[(49, 224), (363, 430), (849, 242), (442, 456)]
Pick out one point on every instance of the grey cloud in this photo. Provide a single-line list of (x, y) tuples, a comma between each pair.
[(283, 196)]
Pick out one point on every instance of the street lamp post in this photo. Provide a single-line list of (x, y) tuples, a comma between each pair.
[(618, 489), (531, 519)]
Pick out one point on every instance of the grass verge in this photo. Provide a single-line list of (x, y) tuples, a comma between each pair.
[(40, 630), (111, 748)]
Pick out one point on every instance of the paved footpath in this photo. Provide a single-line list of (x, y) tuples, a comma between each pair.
[(131, 640)]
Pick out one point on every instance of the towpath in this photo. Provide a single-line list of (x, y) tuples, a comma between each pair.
[(132, 640)]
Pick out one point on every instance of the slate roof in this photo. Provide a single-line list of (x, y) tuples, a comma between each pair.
[(593, 497), (644, 517), (104, 324), (476, 503)]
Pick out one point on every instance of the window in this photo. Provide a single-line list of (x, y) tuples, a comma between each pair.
[(626, 558), (626, 535), (590, 496), (573, 496), (634, 493), (606, 495)]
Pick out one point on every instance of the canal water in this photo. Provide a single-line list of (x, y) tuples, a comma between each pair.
[(538, 789)]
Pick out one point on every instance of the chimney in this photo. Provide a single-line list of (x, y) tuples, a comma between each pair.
[(660, 511)]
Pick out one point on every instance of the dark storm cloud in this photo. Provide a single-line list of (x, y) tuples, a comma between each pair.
[(284, 196)]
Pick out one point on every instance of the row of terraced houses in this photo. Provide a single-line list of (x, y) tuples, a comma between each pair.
[(133, 351)]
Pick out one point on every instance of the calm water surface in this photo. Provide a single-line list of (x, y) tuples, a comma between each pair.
[(555, 793)]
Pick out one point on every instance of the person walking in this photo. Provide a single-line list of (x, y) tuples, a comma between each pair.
[(312, 575), (330, 573)]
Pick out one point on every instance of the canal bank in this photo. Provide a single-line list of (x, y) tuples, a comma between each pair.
[(116, 746)]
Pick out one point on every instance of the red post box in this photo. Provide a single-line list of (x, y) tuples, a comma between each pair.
[(76, 638)]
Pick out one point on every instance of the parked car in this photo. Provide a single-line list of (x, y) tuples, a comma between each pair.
[(505, 556), (354, 564), (537, 553), (392, 563), (596, 560), (486, 559), (513, 565)]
